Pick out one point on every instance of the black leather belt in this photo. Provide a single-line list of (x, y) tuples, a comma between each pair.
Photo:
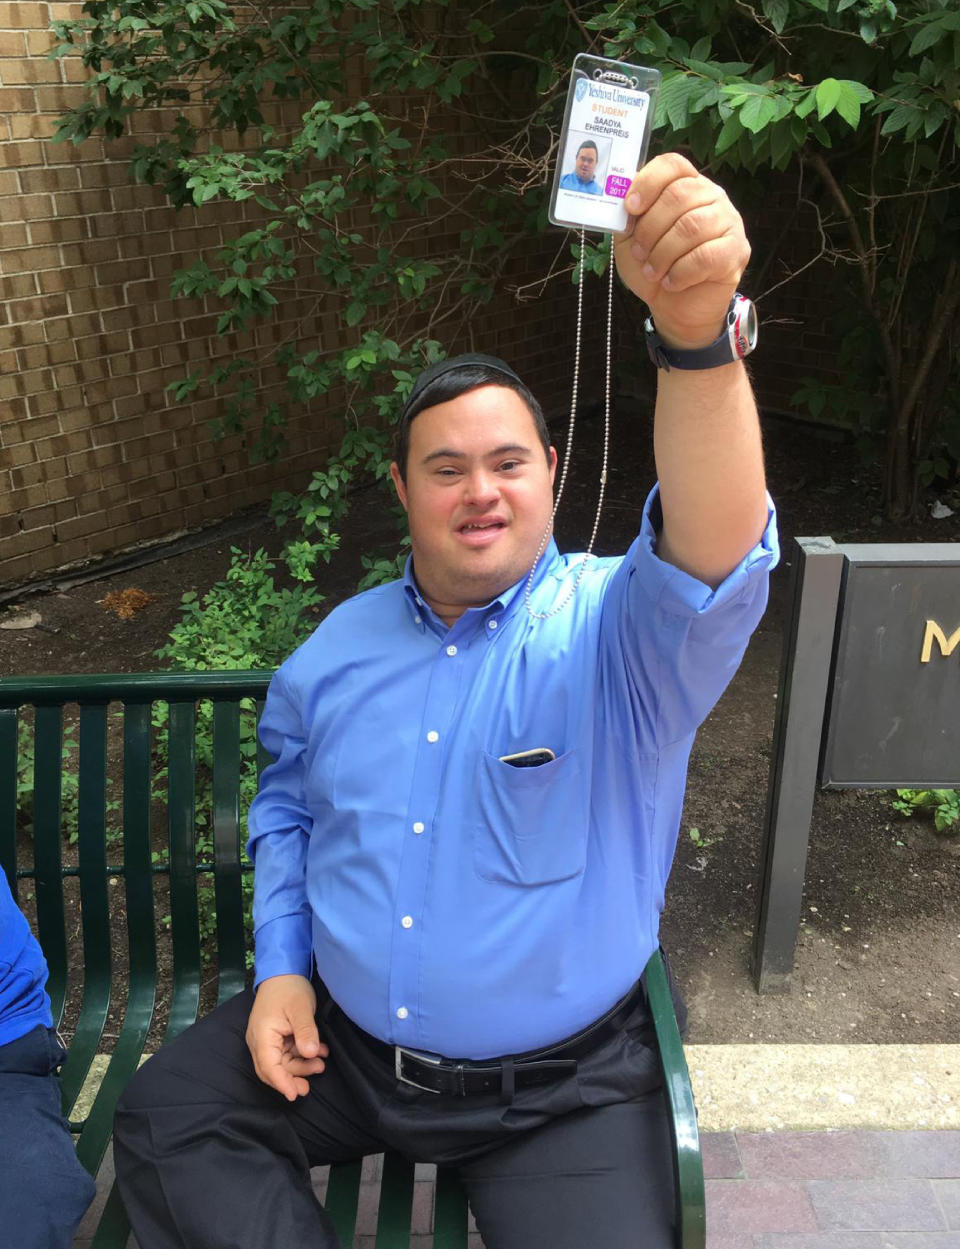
[(465, 1078)]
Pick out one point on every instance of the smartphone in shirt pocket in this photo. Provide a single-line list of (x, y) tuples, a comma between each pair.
[(533, 817)]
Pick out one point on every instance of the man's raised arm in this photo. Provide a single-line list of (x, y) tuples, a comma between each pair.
[(683, 254)]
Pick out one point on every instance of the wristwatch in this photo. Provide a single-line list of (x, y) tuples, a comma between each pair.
[(737, 339)]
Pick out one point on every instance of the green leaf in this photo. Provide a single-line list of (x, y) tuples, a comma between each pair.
[(806, 104), (828, 93), (929, 34), (356, 311), (898, 119), (757, 113), (674, 101), (778, 12), (848, 106), (729, 134), (868, 31), (781, 144)]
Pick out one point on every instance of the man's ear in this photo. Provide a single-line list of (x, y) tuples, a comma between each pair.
[(552, 461), (401, 488)]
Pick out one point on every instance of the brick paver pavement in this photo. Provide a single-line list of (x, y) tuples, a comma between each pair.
[(774, 1190)]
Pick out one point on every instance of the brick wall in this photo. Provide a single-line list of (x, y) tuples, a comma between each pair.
[(94, 455)]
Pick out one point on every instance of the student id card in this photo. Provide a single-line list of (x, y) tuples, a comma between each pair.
[(606, 130)]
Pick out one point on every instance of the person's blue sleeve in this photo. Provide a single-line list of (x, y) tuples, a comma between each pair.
[(672, 642), (279, 828)]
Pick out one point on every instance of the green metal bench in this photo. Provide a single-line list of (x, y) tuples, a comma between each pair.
[(32, 718)]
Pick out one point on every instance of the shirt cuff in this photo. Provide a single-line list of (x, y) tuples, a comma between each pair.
[(682, 594), (283, 947)]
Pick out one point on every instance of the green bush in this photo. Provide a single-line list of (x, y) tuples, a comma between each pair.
[(244, 622), (942, 804)]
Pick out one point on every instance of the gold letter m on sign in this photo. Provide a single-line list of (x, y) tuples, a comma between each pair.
[(933, 633)]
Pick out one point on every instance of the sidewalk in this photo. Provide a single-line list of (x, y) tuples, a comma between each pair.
[(804, 1147)]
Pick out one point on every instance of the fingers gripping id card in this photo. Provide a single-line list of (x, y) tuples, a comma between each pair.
[(606, 130)]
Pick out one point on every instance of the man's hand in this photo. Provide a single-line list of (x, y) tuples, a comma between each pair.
[(282, 1035), (683, 252)]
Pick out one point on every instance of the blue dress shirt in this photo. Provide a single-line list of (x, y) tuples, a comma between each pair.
[(23, 973), (452, 902), (570, 182)]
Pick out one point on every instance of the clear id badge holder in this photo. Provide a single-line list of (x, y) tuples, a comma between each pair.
[(606, 131), (604, 140)]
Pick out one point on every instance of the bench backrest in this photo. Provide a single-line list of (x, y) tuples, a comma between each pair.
[(143, 840)]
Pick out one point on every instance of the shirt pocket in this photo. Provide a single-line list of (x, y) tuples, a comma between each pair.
[(533, 822)]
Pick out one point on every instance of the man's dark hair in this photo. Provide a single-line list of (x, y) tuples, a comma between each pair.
[(588, 143), (451, 385)]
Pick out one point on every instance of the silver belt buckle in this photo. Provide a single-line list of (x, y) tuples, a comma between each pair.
[(398, 1053)]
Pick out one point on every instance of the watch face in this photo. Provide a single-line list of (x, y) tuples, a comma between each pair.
[(743, 327)]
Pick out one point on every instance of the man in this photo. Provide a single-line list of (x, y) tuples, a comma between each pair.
[(44, 1190), (448, 942), (580, 178)]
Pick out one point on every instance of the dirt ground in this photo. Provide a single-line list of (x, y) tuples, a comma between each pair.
[(878, 957)]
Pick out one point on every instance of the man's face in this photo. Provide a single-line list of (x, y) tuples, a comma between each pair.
[(478, 495), (586, 164)]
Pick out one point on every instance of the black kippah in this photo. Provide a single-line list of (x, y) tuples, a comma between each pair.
[(466, 361)]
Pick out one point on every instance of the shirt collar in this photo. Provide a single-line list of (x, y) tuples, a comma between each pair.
[(487, 618)]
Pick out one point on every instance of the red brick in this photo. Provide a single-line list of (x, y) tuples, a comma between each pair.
[(62, 279), (28, 475), (12, 43), (117, 225), (14, 207), (21, 286), (38, 517), (39, 356), (55, 400), (102, 345), (29, 259), (17, 155), (38, 309), (80, 526), (13, 235), (96, 299)]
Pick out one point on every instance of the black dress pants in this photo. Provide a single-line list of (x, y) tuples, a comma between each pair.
[(208, 1157)]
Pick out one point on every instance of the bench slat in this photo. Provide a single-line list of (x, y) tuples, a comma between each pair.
[(226, 849), (449, 1211), (8, 795), (340, 1203), (396, 1203), (183, 874), (47, 752), (114, 1226), (141, 998), (92, 860)]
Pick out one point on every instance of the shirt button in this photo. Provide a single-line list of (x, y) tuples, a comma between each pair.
[(433, 736), (418, 827), (416, 620), (491, 624), (402, 1012), (451, 651), (407, 921)]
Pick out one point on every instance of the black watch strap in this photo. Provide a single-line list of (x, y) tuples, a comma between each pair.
[(736, 340)]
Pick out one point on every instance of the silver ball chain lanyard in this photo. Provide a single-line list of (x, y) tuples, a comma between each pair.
[(603, 142), (568, 451)]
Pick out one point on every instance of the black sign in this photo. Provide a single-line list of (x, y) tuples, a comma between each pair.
[(894, 704)]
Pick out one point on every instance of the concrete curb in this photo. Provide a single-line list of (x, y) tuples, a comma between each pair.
[(758, 1088)]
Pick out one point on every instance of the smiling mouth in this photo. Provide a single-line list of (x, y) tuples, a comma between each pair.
[(480, 532)]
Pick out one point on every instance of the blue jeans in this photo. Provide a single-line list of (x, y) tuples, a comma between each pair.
[(44, 1191)]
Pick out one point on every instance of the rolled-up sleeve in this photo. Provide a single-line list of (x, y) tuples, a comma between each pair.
[(279, 836), (675, 639)]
